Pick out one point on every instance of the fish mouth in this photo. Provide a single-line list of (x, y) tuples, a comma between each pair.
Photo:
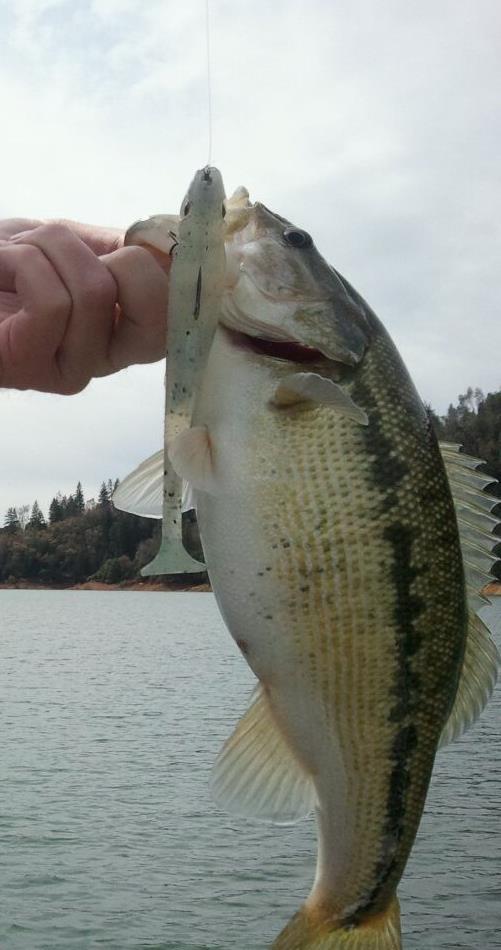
[(285, 350)]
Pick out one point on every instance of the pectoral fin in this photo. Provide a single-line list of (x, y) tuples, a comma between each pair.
[(256, 775), (190, 455), (312, 388), (140, 493)]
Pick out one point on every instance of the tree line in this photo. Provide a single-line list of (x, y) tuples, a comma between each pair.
[(86, 540), (79, 541)]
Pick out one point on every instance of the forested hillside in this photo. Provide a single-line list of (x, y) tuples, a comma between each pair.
[(77, 542), (83, 540)]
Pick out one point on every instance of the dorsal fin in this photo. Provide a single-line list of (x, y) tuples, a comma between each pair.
[(476, 524), (256, 775)]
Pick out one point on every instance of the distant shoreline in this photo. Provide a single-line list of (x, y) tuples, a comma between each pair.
[(201, 586), (137, 585)]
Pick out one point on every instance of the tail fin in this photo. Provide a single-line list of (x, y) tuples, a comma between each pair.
[(306, 931)]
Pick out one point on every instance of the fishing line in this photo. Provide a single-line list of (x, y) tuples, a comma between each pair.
[(209, 78)]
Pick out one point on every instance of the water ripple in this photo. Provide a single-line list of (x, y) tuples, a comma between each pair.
[(114, 708)]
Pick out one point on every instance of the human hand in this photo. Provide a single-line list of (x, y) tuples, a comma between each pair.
[(74, 304)]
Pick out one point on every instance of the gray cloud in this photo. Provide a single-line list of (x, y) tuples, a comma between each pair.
[(375, 126)]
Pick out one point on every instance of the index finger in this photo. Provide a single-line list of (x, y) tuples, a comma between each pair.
[(101, 240), (10, 226)]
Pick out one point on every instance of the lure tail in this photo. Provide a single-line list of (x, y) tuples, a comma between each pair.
[(310, 931), (172, 558)]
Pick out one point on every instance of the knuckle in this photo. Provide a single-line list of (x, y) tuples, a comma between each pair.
[(100, 289), (54, 231), (96, 290), (59, 303), (71, 386), (29, 255)]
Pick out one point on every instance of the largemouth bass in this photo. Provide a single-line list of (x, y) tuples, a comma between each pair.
[(346, 550), (195, 241)]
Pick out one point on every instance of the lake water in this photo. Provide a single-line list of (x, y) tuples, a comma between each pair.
[(114, 706)]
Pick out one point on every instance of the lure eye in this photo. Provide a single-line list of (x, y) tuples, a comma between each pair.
[(297, 238), (187, 208)]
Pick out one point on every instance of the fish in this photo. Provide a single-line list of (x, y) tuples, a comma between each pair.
[(194, 246), (347, 550)]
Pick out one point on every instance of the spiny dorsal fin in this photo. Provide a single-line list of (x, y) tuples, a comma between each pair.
[(477, 681), (256, 775), (476, 522)]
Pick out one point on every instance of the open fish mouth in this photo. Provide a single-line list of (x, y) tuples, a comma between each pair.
[(284, 350)]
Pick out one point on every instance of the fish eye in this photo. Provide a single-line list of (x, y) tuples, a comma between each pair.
[(187, 208), (297, 238)]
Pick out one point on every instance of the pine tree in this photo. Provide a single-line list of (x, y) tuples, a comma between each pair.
[(37, 520), (65, 503), (56, 512), (79, 499), (11, 523), (103, 498), (70, 509)]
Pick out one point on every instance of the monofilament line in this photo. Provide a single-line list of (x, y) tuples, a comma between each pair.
[(209, 80)]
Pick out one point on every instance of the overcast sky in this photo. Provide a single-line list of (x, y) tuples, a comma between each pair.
[(374, 125)]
